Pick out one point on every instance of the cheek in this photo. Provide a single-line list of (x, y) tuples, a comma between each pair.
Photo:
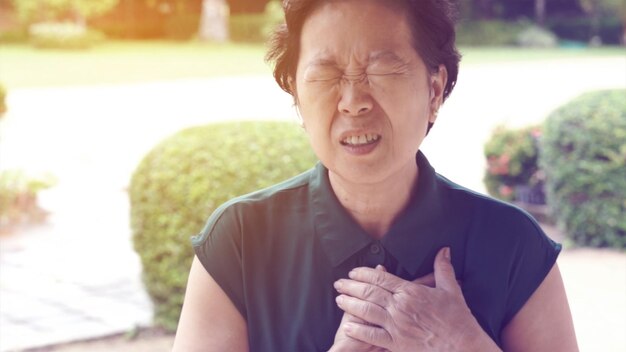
[(317, 104)]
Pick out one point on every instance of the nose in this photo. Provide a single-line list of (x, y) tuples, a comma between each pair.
[(355, 97)]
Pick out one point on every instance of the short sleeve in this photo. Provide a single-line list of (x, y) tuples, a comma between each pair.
[(218, 247), (533, 256)]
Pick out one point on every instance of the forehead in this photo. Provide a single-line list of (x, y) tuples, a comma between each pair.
[(359, 28)]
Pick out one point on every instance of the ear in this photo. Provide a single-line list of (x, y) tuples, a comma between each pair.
[(438, 81)]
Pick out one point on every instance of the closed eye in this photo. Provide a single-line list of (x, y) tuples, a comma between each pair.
[(322, 73)]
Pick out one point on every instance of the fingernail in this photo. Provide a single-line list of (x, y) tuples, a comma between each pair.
[(446, 253), (352, 274), (339, 300), (338, 284)]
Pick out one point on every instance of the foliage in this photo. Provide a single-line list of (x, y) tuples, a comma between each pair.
[(3, 103), (67, 35), (256, 28), (274, 16), (583, 29), (512, 160), (536, 37), (489, 33), (182, 26), (185, 178), (614, 7), (13, 35), (18, 196), (33, 11), (584, 158), (247, 28)]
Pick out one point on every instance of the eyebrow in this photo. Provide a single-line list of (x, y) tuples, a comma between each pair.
[(322, 61), (385, 54)]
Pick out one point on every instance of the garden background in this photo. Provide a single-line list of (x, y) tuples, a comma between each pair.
[(89, 88)]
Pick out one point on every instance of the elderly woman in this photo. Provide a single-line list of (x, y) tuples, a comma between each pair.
[(371, 250)]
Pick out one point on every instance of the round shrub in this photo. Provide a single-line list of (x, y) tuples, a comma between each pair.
[(584, 158), (185, 178)]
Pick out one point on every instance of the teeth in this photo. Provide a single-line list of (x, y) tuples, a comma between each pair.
[(362, 139)]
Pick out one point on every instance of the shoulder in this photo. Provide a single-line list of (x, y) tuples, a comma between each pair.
[(491, 215), (289, 195)]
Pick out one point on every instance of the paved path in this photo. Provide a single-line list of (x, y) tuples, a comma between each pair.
[(77, 277)]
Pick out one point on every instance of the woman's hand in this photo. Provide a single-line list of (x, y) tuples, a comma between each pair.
[(400, 315), (346, 343)]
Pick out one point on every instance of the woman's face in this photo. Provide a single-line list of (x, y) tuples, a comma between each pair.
[(363, 92)]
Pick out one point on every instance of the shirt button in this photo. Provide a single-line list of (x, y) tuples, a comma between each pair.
[(375, 248)]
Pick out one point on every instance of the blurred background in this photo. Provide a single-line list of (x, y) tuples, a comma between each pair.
[(124, 123)]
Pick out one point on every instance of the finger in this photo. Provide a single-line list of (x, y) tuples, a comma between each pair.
[(367, 292), (379, 278), (427, 280), (348, 318), (372, 335), (381, 268), (367, 311), (444, 272)]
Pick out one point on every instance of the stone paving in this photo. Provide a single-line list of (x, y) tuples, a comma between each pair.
[(77, 277)]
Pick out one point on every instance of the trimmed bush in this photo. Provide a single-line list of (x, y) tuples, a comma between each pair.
[(185, 178), (256, 28), (582, 29), (3, 103), (247, 28), (537, 37), (489, 33), (13, 35), (512, 162), (63, 35), (584, 158)]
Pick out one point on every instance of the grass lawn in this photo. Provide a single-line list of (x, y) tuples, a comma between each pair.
[(127, 61), (513, 54), (113, 62)]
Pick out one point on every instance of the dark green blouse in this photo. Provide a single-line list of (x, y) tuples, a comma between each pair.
[(277, 252)]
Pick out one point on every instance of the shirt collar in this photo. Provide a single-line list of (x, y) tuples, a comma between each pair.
[(412, 236)]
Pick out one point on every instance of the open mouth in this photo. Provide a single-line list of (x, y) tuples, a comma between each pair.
[(359, 140)]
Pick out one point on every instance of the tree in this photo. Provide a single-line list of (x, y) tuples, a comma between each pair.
[(540, 12), (214, 21), (600, 8), (31, 11)]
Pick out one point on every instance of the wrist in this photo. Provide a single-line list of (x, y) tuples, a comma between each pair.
[(480, 341), (476, 339)]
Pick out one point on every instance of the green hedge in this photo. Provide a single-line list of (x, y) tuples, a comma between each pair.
[(63, 35), (256, 28), (3, 97), (489, 33), (582, 29), (584, 158), (185, 178)]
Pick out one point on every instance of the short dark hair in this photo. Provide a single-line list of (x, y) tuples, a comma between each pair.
[(432, 21)]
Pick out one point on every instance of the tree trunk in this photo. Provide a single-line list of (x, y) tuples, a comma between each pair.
[(540, 12), (214, 21)]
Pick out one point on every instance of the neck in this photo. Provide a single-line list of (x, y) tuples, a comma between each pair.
[(375, 206)]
